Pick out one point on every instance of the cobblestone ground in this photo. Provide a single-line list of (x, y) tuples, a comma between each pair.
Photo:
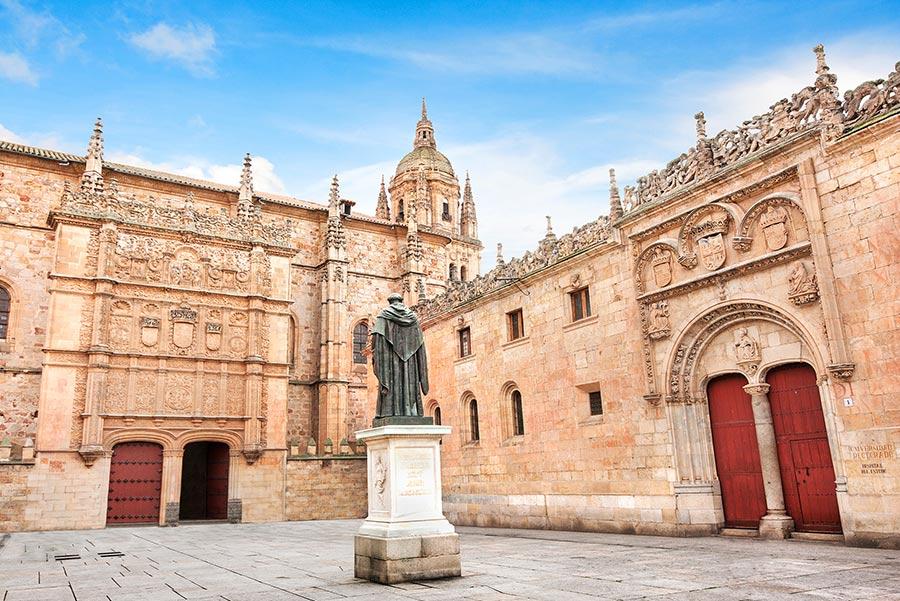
[(314, 560)]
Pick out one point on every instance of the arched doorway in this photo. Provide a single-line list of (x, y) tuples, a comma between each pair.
[(807, 472), (135, 483), (204, 481), (736, 451)]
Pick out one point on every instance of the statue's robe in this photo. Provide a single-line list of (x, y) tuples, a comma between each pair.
[(398, 354)]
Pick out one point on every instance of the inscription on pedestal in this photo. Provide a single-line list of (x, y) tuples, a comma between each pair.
[(415, 472)]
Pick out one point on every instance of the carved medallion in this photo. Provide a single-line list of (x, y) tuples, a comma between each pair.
[(149, 331), (662, 268), (213, 336), (774, 225), (712, 251)]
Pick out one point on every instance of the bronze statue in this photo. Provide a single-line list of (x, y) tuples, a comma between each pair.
[(398, 356)]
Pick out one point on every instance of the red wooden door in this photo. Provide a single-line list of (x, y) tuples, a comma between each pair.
[(736, 451), (807, 473), (217, 462), (135, 482)]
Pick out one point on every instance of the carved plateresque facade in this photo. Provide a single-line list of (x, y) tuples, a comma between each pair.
[(765, 250), (152, 308)]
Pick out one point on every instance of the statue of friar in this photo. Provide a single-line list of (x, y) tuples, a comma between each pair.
[(398, 355)]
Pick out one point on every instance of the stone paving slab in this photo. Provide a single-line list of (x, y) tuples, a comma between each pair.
[(292, 561)]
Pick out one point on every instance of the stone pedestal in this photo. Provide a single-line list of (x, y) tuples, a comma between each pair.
[(405, 536)]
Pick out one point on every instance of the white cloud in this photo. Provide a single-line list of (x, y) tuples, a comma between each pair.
[(10, 136), (15, 68), (730, 97), (264, 177), (191, 46), (34, 28)]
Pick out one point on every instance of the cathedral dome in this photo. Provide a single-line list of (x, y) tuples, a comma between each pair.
[(425, 150), (429, 157)]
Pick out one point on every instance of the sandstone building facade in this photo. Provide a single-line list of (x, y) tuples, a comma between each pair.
[(176, 349), (719, 352)]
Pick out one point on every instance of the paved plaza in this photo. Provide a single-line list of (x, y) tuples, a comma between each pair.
[(314, 560)]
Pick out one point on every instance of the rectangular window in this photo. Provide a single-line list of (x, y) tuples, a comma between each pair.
[(581, 304), (596, 401), (515, 324), (465, 342)]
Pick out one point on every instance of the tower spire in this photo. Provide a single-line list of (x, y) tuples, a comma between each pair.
[(615, 202), (92, 178), (821, 66), (246, 210), (382, 209), (424, 130), (246, 190), (468, 222)]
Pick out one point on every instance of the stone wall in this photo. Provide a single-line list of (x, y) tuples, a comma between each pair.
[(326, 489)]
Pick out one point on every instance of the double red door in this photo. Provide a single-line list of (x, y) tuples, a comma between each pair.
[(736, 451), (807, 473), (135, 482)]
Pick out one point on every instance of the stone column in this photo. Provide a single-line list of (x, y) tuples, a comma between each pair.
[(171, 486), (776, 523)]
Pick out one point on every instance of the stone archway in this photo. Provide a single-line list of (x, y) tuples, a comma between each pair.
[(747, 337)]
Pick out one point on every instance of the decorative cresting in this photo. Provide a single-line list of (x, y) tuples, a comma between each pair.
[(96, 200), (550, 251), (683, 383), (815, 107)]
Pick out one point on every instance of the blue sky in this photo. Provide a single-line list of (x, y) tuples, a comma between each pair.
[(535, 99)]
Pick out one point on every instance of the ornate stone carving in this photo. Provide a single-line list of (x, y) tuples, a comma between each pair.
[(662, 267), (815, 107), (149, 331), (746, 349), (548, 253), (658, 324), (842, 371), (213, 336), (774, 226), (803, 287), (183, 325)]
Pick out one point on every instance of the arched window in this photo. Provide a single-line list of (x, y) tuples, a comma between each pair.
[(360, 340), (518, 416), (445, 214), (452, 272), (437, 416), (462, 273), (292, 340), (4, 312), (400, 210), (474, 434)]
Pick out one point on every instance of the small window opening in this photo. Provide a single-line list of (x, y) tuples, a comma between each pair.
[(465, 342), (596, 402), (581, 304), (518, 416)]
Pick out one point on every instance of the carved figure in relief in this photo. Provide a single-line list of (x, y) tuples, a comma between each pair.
[(380, 483), (659, 326), (712, 251), (747, 351), (774, 226), (662, 267), (802, 284)]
